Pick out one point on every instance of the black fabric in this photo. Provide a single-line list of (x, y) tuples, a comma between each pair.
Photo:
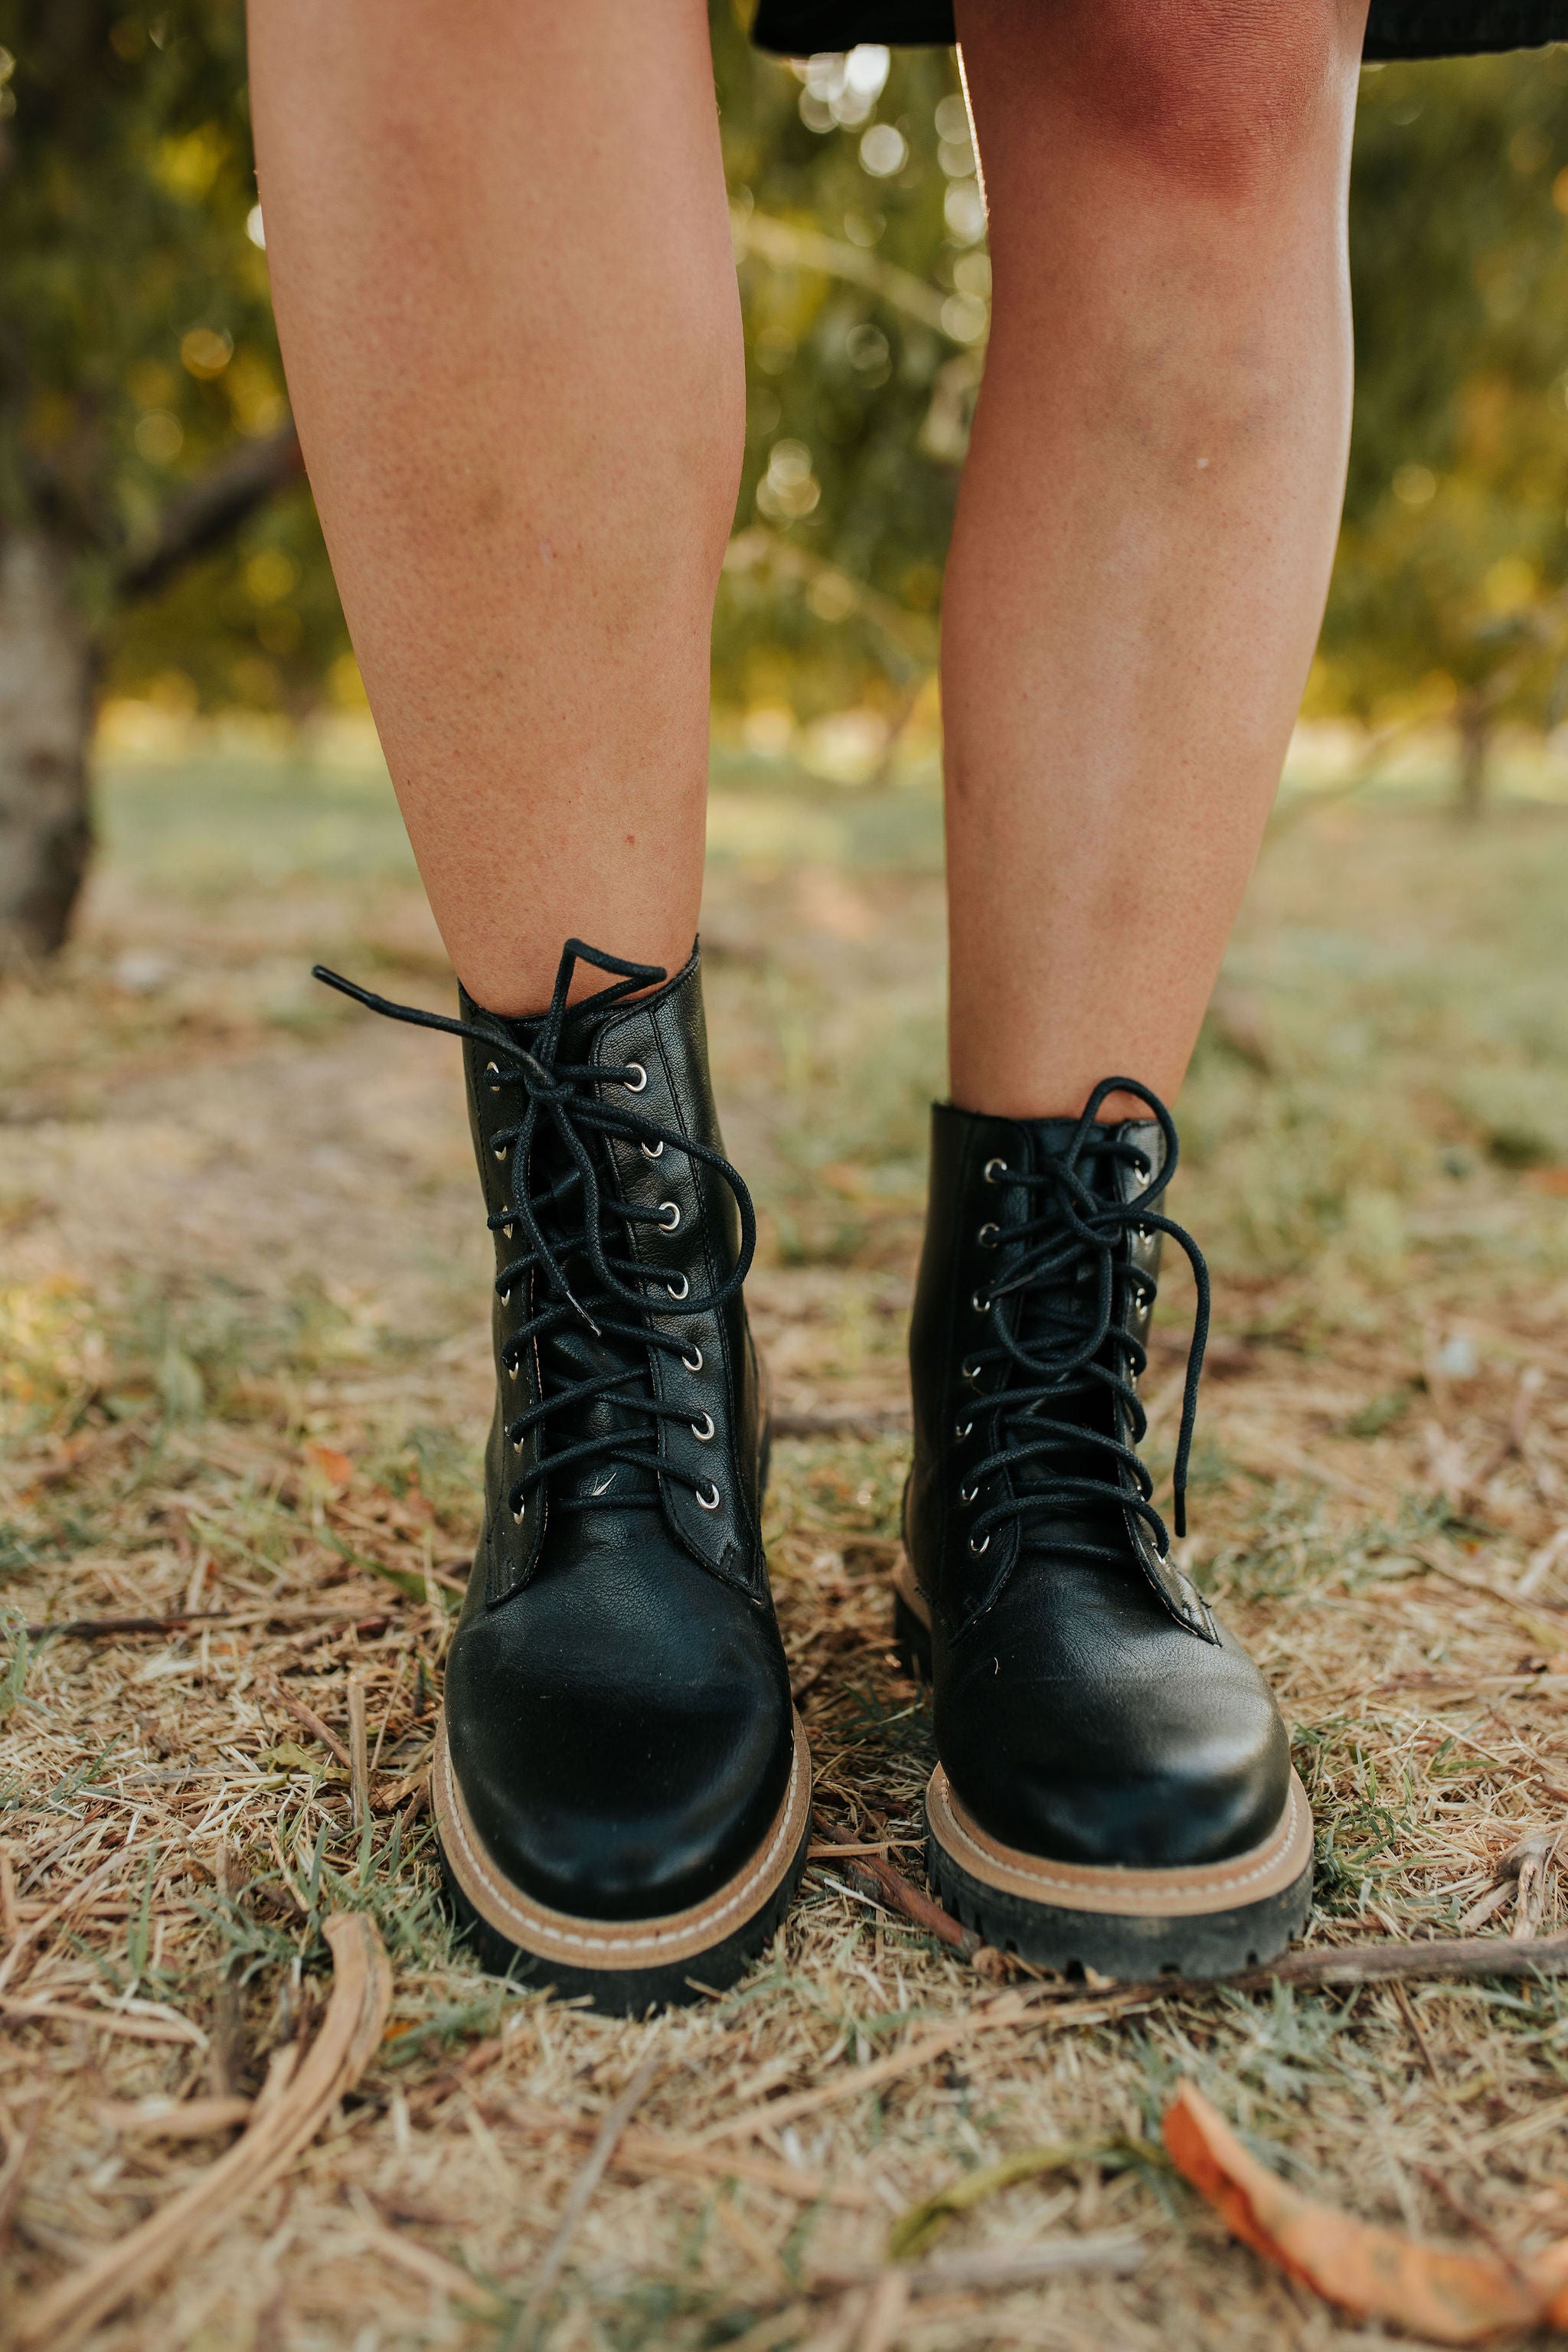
[(1396, 28)]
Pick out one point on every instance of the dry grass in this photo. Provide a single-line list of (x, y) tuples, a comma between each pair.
[(240, 1243)]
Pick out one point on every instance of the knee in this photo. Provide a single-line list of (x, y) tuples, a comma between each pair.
[(1218, 95)]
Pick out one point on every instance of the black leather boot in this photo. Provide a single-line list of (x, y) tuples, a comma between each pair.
[(621, 1786), (1114, 1789)]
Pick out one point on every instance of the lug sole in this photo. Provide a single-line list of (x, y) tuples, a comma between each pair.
[(1201, 1920), (624, 1967)]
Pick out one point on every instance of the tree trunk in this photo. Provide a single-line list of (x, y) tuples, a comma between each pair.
[(1474, 741), (46, 722)]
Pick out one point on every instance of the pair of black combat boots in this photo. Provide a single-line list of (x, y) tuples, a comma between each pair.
[(621, 1784)]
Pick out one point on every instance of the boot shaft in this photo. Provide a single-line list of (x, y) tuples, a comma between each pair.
[(684, 1247)]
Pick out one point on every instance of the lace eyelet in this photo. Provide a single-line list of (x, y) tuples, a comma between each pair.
[(518, 1443), (967, 1494), (667, 1224), (520, 1513), (995, 1171), (512, 1371), (509, 1231), (703, 1429), (969, 1370), (500, 1150), (965, 1429), (693, 1363), (505, 1297), (653, 1151), (641, 1081), (984, 1545), (981, 1305), (682, 1291), (988, 1236), (492, 1070), (710, 1500)]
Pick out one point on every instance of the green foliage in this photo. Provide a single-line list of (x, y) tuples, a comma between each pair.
[(136, 339), (1453, 561), (137, 348)]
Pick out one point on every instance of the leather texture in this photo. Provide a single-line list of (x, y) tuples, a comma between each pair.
[(1087, 1708), (617, 1702)]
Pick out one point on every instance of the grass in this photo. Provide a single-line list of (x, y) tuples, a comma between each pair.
[(238, 1247)]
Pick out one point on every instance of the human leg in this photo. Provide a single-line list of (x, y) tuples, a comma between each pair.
[(1147, 513), (509, 312), (500, 257), (1144, 543)]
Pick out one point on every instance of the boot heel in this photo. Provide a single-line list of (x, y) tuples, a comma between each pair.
[(912, 1639)]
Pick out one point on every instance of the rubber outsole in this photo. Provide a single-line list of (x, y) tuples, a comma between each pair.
[(1203, 1921), (624, 1967)]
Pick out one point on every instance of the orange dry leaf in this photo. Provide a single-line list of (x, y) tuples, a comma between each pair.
[(1443, 2293), (334, 1467)]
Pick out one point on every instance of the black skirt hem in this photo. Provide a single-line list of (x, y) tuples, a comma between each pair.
[(1396, 28)]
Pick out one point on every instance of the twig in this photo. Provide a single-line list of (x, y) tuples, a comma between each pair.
[(60, 1910), (282, 2126), (531, 2322), (312, 1722), (901, 1893), (1463, 1959), (842, 1420), (102, 1629)]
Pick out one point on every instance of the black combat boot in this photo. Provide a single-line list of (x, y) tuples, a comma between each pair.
[(621, 1786), (1114, 1789)]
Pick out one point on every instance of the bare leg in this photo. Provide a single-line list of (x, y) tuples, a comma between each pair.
[(1148, 514), (501, 261)]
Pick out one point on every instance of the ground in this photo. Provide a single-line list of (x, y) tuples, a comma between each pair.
[(243, 1369)]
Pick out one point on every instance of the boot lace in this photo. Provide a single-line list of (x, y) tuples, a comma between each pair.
[(1056, 1350), (571, 1254)]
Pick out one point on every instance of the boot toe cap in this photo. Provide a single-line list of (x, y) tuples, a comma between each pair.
[(606, 1778), (1155, 1753)]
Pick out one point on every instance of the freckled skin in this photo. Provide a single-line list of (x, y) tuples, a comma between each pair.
[(501, 262)]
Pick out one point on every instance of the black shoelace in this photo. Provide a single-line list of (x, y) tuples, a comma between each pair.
[(1056, 1350), (577, 1276)]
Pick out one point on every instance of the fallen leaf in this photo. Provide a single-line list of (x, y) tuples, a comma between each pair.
[(334, 1467), (1446, 2294)]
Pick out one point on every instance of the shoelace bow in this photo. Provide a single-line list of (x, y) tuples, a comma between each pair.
[(563, 1227), (1077, 1230)]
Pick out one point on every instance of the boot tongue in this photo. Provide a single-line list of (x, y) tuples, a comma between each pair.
[(1055, 1316), (573, 1352)]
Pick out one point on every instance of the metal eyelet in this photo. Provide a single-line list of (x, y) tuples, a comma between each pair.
[(505, 1297), (693, 1362), (653, 1151), (512, 1370), (642, 1079), (965, 1429), (509, 1231), (995, 1171), (667, 1224), (492, 1070), (988, 1236), (981, 1305), (500, 1150), (703, 1429), (520, 1513), (683, 1290), (969, 1370), (967, 1494), (712, 1500), (978, 1547), (518, 1443)]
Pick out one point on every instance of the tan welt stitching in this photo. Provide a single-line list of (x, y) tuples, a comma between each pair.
[(1022, 1865)]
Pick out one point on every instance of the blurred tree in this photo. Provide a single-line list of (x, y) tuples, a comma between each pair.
[(1450, 593), (142, 419)]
